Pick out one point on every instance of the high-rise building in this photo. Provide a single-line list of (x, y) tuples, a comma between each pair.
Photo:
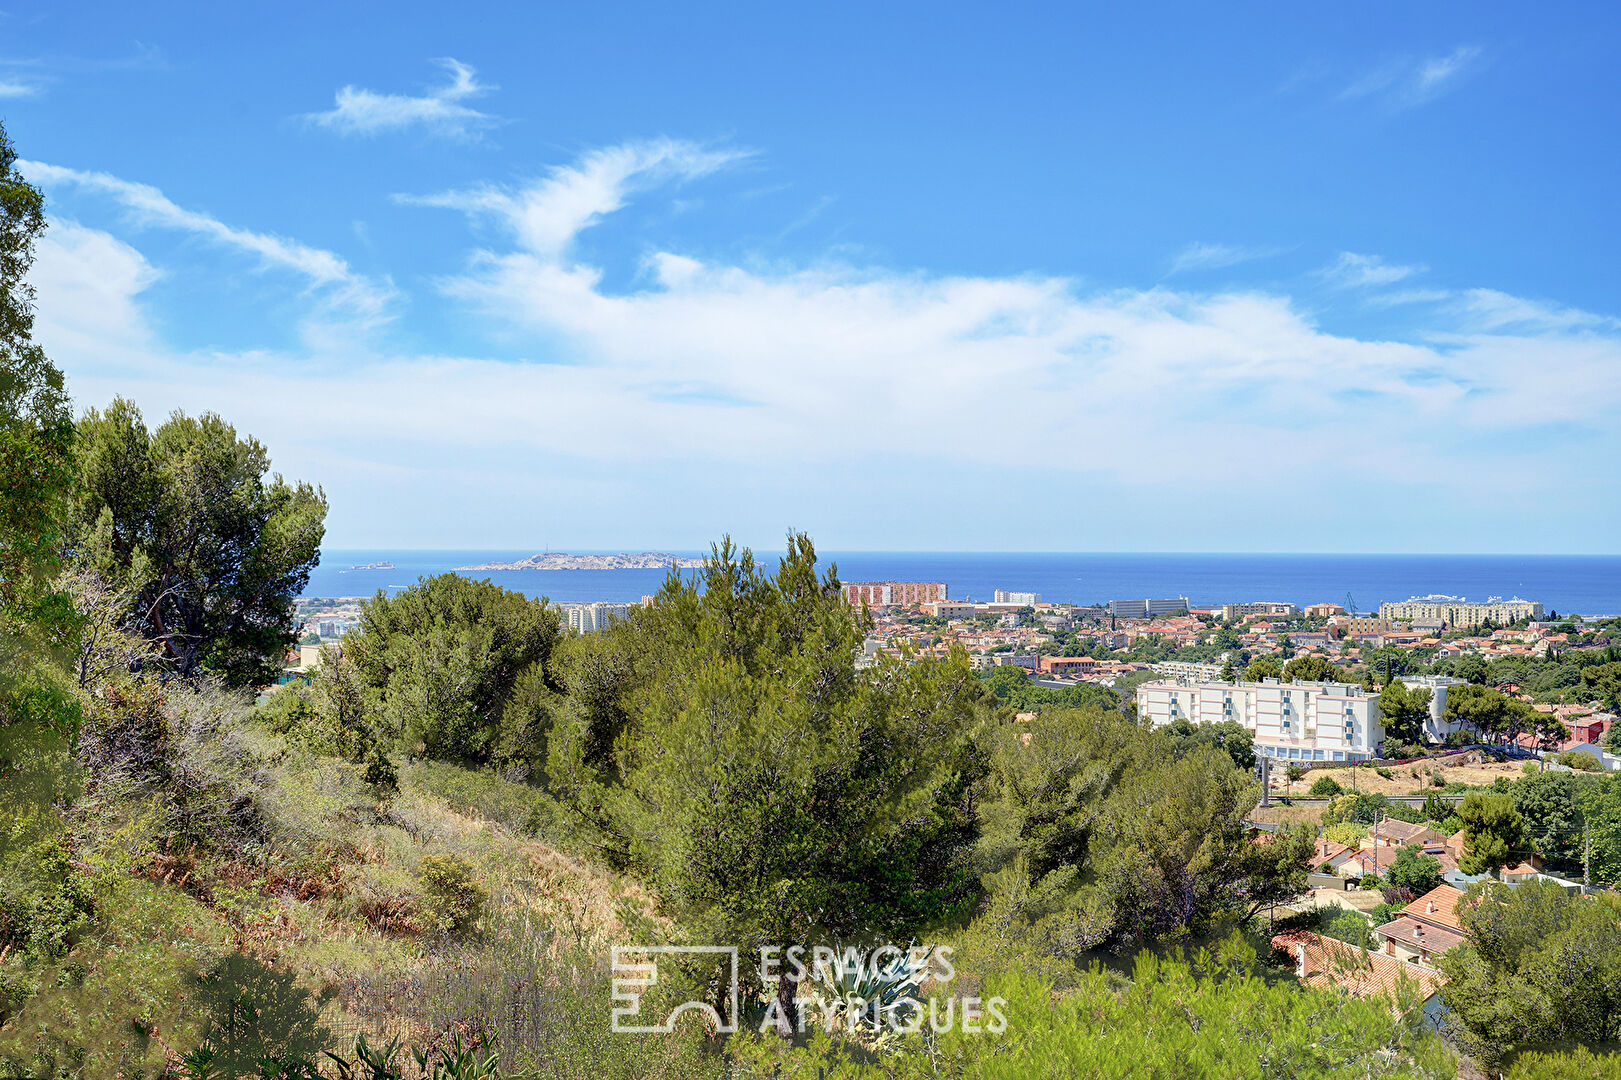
[(1458, 613), (591, 618), (879, 594), (1024, 599)]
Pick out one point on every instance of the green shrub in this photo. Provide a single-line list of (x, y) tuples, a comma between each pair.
[(1530, 768), (1347, 926), (1558, 1065), (1386, 773), (1580, 760), (1348, 833), (452, 897), (1326, 787), (44, 905)]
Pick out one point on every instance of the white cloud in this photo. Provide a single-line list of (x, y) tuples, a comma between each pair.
[(1436, 73), (1488, 309), (441, 111), (92, 282), (768, 357), (1409, 81), (1351, 271), (546, 215), (12, 88), (746, 396), (345, 293), (1201, 256)]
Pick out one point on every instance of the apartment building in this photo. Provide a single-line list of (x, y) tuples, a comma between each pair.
[(1456, 612), (1147, 609), (1023, 599), (878, 594), (1187, 670), (592, 618), (1290, 721), (1235, 612), (951, 609)]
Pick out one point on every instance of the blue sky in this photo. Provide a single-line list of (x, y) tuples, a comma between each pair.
[(1104, 277)]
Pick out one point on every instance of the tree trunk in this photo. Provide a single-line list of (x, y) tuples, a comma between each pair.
[(787, 1005)]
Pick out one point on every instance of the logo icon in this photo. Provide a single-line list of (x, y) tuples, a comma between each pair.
[(635, 968)]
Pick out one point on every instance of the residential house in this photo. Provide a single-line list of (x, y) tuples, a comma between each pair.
[(1321, 961), (1424, 929), (1364, 861), (1404, 834), (1327, 851)]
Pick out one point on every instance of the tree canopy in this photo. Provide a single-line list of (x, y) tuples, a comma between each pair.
[(767, 791), (36, 422), (1312, 669), (212, 547), (1493, 716), (1404, 712), (450, 668), (1540, 967), (1494, 832)]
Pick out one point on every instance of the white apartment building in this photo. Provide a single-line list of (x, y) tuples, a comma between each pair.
[(951, 609), (1458, 613), (1290, 721), (1235, 612), (1147, 609), (590, 618), (1023, 599), (1187, 670)]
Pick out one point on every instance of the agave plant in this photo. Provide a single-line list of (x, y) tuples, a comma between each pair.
[(874, 1003)]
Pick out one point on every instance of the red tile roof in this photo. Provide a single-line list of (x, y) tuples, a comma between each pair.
[(1359, 972), (1420, 935), (1438, 907)]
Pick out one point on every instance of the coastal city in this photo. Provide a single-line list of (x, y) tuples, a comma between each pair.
[(1169, 659)]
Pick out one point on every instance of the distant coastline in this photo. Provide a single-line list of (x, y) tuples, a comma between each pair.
[(646, 560)]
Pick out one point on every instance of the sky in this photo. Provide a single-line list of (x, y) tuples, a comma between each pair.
[(1068, 277)]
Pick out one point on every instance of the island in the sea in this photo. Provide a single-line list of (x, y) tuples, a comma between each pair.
[(556, 560)]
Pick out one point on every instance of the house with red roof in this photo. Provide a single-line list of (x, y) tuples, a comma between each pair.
[(1424, 929), (1327, 962)]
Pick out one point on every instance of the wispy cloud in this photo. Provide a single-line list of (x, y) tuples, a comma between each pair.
[(1408, 81), (441, 111), (762, 375), (546, 215), (16, 88), (349, 293), (1353, 271), (1489, 309), (1200, 256)]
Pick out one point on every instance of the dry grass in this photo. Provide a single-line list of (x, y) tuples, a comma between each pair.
[(1411, 779), (1287, 815)]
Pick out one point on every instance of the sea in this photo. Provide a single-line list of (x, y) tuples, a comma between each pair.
[(1580, 584)]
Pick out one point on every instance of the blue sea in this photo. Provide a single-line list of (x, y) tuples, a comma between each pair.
[(1585, 584)]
